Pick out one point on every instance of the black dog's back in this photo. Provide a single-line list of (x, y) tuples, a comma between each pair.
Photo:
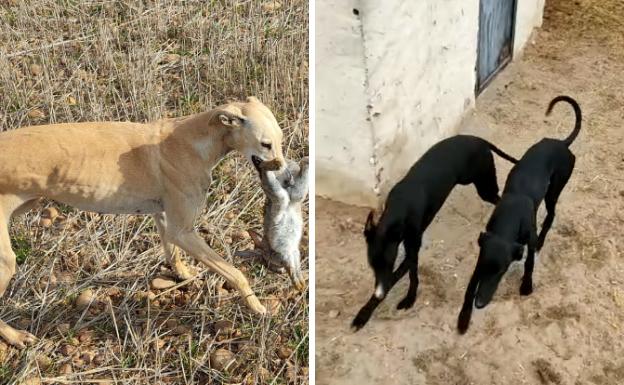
[(444, 164), (461, 159), (532, 174)]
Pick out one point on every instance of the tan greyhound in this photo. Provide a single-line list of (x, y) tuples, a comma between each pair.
[(161, 168)]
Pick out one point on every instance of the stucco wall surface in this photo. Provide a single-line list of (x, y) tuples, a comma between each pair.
[(391, 82), (344, 143), (529, 15), (421, 70)]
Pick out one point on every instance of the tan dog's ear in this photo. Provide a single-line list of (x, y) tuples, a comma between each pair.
[(231, 116), (253, 99)]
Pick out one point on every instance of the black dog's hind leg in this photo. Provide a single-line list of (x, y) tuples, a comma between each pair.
[(367, 310), (486, 184), (557, 184), (412, 246)]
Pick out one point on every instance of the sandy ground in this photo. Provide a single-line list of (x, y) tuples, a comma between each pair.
[(569, 331)]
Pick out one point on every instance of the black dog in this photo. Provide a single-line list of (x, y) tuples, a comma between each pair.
[(541, 174), (413, 203)]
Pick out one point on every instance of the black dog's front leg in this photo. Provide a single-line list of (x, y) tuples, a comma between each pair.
[(466, 311), (526, 287), (367, 310), (411, 256)]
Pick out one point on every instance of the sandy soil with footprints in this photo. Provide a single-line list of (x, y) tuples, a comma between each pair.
[(569, 331)]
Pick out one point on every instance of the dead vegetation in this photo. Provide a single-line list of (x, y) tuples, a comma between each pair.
[(567, 331), (83, 283)]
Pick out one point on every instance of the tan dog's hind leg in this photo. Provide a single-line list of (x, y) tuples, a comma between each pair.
[(194, 245), (172, 254), (26, 207), (13, 336)]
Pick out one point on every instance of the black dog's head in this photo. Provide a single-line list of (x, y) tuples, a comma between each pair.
[(382, 248), (495, 256)]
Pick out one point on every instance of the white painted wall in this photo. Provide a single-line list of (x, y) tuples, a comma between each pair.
[(529, 15), (409, 67), (344, 142), (421, 76)]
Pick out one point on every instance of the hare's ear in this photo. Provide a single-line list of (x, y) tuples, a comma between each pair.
[(230, 116), (257, 239), (370, 226)]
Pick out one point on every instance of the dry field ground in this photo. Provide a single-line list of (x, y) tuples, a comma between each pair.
[(569, 331), (67, 61)]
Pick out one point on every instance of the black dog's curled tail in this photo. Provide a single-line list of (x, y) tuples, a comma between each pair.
[(502, 154), (577, 111)]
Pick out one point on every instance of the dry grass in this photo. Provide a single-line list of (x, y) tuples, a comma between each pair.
[(66, 61), (602, 19)]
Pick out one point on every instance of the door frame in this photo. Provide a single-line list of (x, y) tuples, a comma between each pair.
[(479, 87)]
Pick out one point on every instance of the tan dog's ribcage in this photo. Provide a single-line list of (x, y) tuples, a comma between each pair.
[(100, 171)]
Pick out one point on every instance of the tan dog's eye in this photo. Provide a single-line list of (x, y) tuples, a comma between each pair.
[(266, 145)]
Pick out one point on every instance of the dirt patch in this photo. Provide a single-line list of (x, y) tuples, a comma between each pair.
[(568, 331), (545, 372)]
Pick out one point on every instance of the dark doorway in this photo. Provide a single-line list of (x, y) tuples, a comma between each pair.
[(496, 31)]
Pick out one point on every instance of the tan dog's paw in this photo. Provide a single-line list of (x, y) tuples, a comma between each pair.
[(183, 272), (254, 304), (18, 338)]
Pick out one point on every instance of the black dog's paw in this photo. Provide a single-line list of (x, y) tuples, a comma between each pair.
[(526, 288), (406, 303), (358, 323), (463, 321)]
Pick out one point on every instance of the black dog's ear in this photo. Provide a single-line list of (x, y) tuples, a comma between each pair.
[(370, 226), (482, 237)]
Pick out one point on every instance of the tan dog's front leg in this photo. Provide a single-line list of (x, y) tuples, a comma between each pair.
[(194, 245), (13, 336), (172, 254)]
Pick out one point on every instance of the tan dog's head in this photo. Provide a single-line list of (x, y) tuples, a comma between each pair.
[(254, 131)]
